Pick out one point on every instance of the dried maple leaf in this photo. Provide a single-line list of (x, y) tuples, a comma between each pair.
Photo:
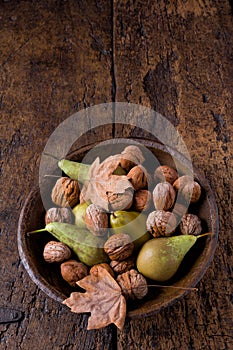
[(103, 299), (109, 191)]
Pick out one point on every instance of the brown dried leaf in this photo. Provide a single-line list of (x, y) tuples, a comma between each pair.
[(109, 191), (103, 299)]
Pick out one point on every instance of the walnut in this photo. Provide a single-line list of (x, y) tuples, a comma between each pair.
[(73, 271), (96, 220), (59, 215), (165, 173), (189, 189), (139, 177), (192, 192), (96, 268), (119, 246), (161, 223), (126, 164), (133, 284), (65, 193), (142, 200), (182, 181), (120, 201), (190, 225), (131, 156), (164, 196), (134, 151), (122, 266), (56, 252)]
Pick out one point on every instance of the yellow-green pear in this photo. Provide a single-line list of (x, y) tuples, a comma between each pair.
[(132, 223), (160, 258), (80, 171), (119, 171), (75, 170), (88, 248), (79, 212)]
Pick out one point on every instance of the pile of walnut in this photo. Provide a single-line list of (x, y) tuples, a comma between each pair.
[(121, 183)]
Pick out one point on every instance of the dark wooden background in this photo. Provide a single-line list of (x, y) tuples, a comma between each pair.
[(58, 57)]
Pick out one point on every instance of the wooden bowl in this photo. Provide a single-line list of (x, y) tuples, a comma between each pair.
[(47, 276)]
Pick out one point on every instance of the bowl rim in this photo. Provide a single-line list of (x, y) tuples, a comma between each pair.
[(39, 280), (53, 293)]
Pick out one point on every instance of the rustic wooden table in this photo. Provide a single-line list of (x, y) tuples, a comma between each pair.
[(58, 57)]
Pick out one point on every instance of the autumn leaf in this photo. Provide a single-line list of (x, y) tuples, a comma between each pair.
[(109, 191), (103, 299)]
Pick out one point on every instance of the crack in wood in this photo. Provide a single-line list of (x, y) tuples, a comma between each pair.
[(113, 66)]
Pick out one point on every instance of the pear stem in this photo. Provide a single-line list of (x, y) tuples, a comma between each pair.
[(205, 234), (50, 155), (175, 287), (83, 178), (49, 175), (41, 230)]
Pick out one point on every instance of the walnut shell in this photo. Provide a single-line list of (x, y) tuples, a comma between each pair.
[(131, 156), (139, 177), (133, 284), (164, 196), (121, 201), (73, 271), (96, 220), (122, 266), (126, 164), (95, 269), (134, 151), (59, 215), (65, 193), (189, 189), (190, 225), (142, 200), (192, 192), (119, 246), (182, 181), (56, 252), (165, 173), (161, 223)]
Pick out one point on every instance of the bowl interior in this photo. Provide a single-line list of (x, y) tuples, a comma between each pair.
[(47, 276)]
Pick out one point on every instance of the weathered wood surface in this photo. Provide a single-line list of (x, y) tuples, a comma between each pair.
[(180, 64), (60, 57)]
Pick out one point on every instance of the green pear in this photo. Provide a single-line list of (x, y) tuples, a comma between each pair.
[(119, 171), (80, 171), (160, 258), (76, 171), (79, 212), (88, 248), (131, 223), (91, 251)]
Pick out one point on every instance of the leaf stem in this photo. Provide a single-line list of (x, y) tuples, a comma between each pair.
[(175, 287)]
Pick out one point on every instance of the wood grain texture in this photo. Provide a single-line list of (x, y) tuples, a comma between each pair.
[(58, 57), (55, 60), (180, 64)]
